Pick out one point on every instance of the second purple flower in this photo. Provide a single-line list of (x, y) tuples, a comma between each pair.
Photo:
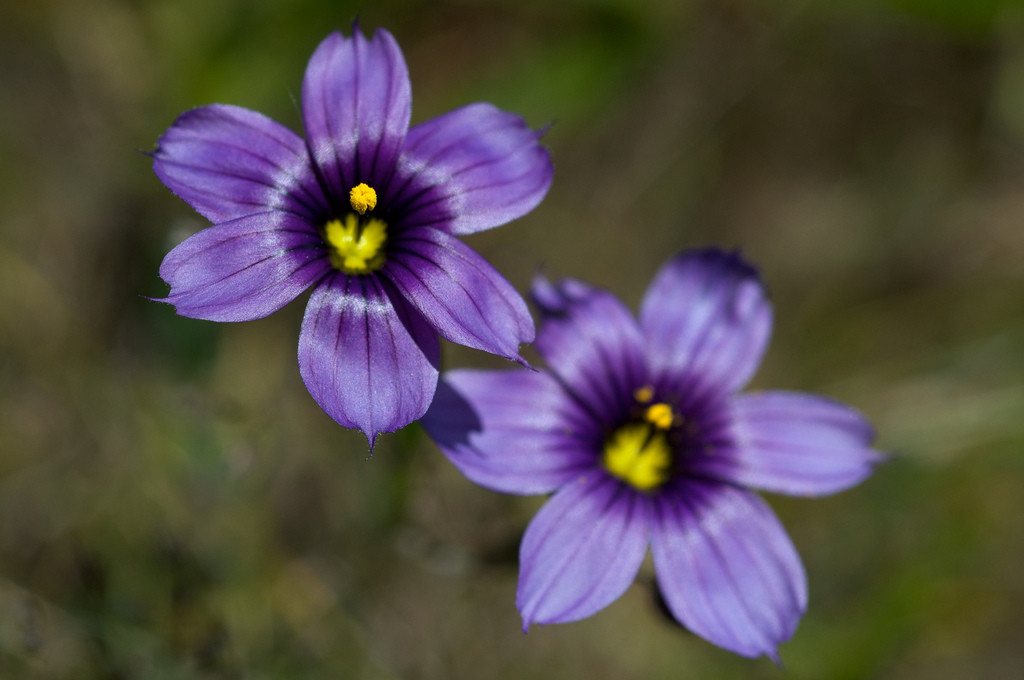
[(638, 429), (365, 211)]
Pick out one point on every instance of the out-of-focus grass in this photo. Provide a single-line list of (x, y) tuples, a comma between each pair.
[(174, 505)]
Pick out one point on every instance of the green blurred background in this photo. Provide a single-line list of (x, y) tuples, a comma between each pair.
[(173, 504)]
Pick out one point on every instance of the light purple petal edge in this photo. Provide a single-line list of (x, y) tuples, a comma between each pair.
[(244, 269), (726, 567), (793, 443), (582, 550)]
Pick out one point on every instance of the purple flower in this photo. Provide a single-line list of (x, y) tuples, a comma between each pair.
[(365, 211), (639, 431)]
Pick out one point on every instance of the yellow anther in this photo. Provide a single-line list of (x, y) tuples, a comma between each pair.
[(638, 456), (659, 415), (356, 248), (644, 394), (363, 198)]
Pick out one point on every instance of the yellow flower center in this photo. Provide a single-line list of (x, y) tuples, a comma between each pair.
[(357, 247), (357, 242), (363, 198), (638, 455)]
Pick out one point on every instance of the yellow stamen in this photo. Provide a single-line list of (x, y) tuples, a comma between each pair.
[(363, 198), (638, 456), (659, 415), (356, 248), (644, 394)]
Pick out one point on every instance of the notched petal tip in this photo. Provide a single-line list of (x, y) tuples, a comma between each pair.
[(718, 261), (590, 339), (707, 319), (356, 103), (557, 299), (357, 30), (544, 295)]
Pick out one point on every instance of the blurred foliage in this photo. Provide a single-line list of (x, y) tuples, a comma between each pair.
[(174, 505)]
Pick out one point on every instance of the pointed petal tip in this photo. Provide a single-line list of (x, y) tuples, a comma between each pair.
[(228, 162), (528, 613), (460, 294), (517, 358), (182, 310)]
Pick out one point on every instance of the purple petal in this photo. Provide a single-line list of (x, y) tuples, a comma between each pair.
[(793, 443), (356, 101), (471, 169), (228, 162), (462, 296), (244, 269), (514, 431), (369, 361), (726, 567), (582, 550), (707, 321), (591, 342)]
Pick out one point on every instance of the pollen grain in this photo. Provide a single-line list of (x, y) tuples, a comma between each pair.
[(363, 198)]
